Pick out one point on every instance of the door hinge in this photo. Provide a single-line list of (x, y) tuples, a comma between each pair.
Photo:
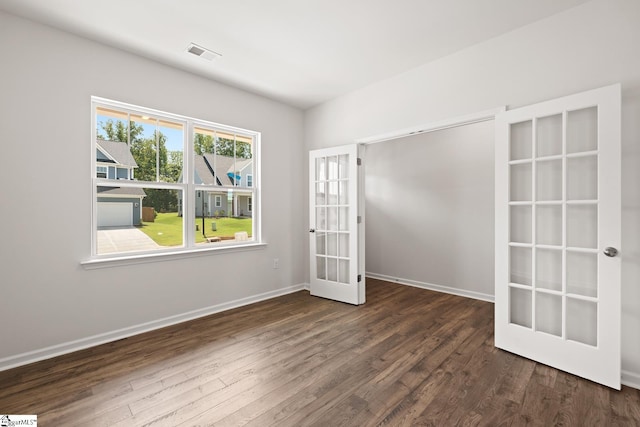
[(359, 161), (359, 278), (359, 219)]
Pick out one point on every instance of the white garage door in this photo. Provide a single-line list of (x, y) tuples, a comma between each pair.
[(114, 214)]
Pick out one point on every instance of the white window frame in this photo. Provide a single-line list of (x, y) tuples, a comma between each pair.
[(249, 180), (187, 186), (250, 204), (218, 201)]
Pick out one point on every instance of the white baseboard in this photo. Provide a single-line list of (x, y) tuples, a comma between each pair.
[(631, 379), (432, 287), (92, 341)]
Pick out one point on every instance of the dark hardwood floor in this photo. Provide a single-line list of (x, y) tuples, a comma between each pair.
[(407, 357)]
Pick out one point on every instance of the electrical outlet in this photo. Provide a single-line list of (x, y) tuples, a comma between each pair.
[(276, 263)]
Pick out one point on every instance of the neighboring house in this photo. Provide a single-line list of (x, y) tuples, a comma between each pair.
[(224, 201), (117, 206)]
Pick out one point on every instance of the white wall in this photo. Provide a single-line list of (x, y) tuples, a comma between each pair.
[(430, 210), (592, 45), (47, 78)]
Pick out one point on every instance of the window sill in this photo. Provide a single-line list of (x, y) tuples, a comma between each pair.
[(132, 259)]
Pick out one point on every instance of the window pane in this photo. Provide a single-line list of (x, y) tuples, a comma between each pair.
[(171, 146), (232, 221), (204, 162), (144, 140), (113, 156), (112, 125), (223, 159), (244, 162), (137, 219)]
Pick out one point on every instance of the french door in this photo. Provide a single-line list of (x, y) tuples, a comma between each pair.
[(336, 227), (558, 232)]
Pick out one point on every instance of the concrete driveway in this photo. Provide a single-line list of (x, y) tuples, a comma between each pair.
[(123, 239)]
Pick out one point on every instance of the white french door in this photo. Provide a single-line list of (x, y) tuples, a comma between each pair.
[(558, 201), (336, 236)]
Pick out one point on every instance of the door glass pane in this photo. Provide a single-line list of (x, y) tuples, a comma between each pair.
[(321, 173), (521, 224), (520, 182), (343, 161), (321, 248), (321, 267), (343, 220), (582, 178), (343, 245), (344, 192), (332, 269), (582, 321), (321, 219), (332, 244), (582, 273), (520, 307), (549, 313), (549, 180), (332, 198), (549, 136), (549, 269), (332, 166), (549, 225), (582, 130), (320, 193), (332, 218), (343, 271), (521, 137), (582, 226), (520, 260)]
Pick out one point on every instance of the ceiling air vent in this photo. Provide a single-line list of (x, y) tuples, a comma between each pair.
[(202, 52)]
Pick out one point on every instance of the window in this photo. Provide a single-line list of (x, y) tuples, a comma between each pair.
[(158, 175), (249, 180), (101, 172)]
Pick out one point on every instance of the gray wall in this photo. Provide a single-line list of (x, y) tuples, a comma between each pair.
[(589, 46), (430, 209), (49, 299)]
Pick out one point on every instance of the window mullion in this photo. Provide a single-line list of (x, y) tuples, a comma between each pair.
[(189, 195)]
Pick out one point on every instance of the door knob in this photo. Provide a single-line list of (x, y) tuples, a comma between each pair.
[(312, 230), (611, 252)]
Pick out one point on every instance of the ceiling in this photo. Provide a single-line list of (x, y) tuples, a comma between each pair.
[(301, 52)]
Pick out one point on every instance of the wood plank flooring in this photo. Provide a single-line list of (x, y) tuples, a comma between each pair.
[(407, 357)]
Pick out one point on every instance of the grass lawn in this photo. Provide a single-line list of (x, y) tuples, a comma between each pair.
[(166, 230)]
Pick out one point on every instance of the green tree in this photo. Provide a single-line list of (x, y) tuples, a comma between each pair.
[(204, 144), (116, 130)]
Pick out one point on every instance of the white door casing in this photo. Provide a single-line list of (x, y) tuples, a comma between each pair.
[(558, 210), (336, 238)]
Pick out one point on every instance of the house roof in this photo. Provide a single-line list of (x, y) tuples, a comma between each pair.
[(118, 151), (205, 167), (121, 191)]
